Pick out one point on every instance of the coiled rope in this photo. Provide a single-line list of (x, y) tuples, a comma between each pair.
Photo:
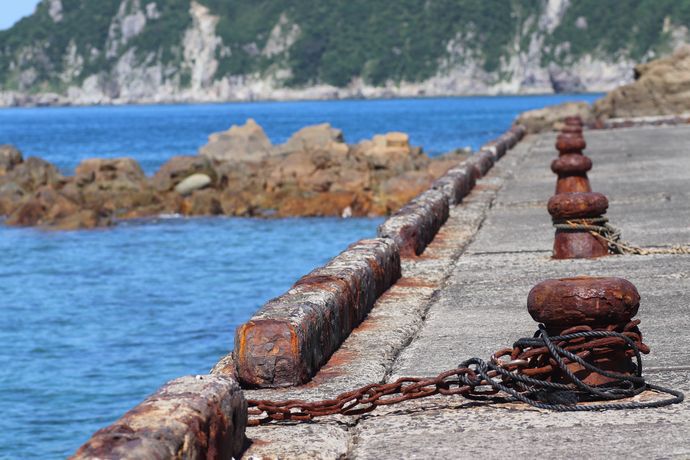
[(601, 228)]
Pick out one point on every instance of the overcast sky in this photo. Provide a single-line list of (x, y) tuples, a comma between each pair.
[(12, 10)]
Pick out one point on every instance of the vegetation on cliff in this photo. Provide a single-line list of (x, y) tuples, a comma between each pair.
[(308, 42)]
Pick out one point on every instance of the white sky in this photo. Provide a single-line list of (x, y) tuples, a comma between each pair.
[(13, 10)]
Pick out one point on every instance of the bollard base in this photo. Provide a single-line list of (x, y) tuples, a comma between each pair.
[(578, 245)]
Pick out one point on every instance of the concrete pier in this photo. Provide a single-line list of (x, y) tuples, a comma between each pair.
[(466, 294)]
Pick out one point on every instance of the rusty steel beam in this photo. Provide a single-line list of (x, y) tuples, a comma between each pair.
[(414, 226), (483, 160), (288, 340), (497, 147), (456, 183), (193, 417)]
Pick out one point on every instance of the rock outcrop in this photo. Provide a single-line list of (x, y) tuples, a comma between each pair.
[(661, 87), (238, 173), (238, 144), (551, 117)]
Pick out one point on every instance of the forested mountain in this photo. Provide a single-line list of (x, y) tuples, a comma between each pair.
[(105, 51)]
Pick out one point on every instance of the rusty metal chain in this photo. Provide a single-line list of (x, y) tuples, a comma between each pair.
[(601, 228), (534, 371)]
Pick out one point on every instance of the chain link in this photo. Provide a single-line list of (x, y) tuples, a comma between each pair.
[(534, 371)]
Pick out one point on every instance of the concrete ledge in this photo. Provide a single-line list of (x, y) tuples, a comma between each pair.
[(190, 417), (288, 340), (456, 184), (415, 224), (483, 160)]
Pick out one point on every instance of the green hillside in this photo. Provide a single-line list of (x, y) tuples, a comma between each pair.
[(337, 40)]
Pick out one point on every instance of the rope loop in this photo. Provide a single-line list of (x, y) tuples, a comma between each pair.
[(601, 228)]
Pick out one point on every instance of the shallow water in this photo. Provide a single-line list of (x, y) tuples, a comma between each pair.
[(93, 321)]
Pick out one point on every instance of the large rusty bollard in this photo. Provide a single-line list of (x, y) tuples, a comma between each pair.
[(573, 120), (570, 144), (571, 210), (575, 304), (572, 129), (572, 173)]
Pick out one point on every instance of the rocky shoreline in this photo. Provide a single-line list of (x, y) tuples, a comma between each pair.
[(238, 173), (661, 88)]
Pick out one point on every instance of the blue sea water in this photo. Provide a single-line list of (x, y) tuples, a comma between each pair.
[(93, 321)]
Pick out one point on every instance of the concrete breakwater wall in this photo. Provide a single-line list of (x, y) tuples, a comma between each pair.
[(288, 340)]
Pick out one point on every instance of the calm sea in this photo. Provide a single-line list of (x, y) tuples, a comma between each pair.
[(93, 321)]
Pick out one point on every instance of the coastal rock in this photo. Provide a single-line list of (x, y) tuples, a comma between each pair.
[(240, 143), (192, 183), (390, 151), (564, 81), (109, 170), (50, 209), (324, 204), (31, 174), (398, 190), (9, 158), (11, 197), (116, 185), (178, 168), (315, 173), (551, 117), (661, 87), (23, 179), (316, 137), (201, 203)]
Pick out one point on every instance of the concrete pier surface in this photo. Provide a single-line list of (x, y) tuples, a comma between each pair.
[(465, 296)]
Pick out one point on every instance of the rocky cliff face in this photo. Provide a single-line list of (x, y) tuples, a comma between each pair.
[(661, 87), (140, 51)]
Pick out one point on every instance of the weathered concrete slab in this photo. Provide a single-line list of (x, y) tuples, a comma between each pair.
[(455, 427)]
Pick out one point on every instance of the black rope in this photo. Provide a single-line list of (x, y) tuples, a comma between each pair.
[(563, 397)]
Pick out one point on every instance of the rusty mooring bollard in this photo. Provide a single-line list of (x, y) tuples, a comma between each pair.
[(606, 304), (572, 129), (570, 144), (574, 211), (572, 173), (573, 120)]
